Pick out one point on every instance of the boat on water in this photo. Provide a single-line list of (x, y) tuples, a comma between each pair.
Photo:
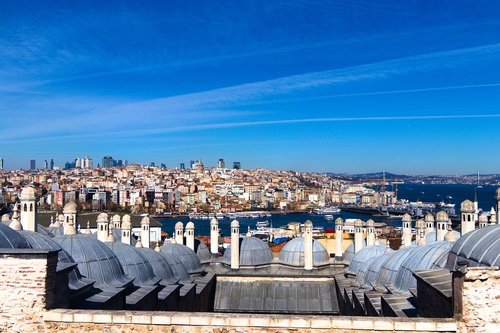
[(219, 216), (328, 211), (329, 217), (262, 224)]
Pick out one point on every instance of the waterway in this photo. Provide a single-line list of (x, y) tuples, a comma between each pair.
[(454, 193)]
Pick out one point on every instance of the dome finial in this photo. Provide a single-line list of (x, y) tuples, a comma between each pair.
[(16, 224), (450, 235), (157, 247), (70, 230), (249, 234), (139, 243)]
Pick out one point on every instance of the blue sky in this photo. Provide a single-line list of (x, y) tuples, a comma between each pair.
[(342, 86)]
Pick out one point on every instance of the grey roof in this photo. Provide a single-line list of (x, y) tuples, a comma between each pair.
[(363, 256), (184, 254), (201, 250), (180, 272), (390, 267), (372, 270), (161, 266), (253, 252), (349, 251), (275, 296), (480, 247), (56, 231), (42, 242), (293, 253), (431, 236), (11, 239), (95, 260), (134, 263), (424, 257)]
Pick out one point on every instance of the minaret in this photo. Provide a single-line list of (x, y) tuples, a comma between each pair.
[(370, 233), (441, 220), (116, 221), (179, 233), (429, 223), (308, 246), (406, 224), (190, 235), (102, 227), (358, 235), (420, 236), (15, 224), (214, 236), (28, 209), (145, 232), (483, 220), (339, 231), (235, 245), (126, 227), (498, 205), (467, 217)]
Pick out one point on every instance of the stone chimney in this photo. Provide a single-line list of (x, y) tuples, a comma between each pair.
[(235, 245), (308, 246), (358, 236), (190, 235), (214, 236), (339, 232), (370, 233), (145, 236)]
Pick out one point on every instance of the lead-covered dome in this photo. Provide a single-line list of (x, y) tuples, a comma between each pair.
[(363, 256), (349, 251), (253, 252), (430, 237), (202, 250), (95, 260), (11, 239), (372, 269), (161, 266), (293, 253), (424, 257), (390, 267), (134, 264), (185, 255), (480, 247)]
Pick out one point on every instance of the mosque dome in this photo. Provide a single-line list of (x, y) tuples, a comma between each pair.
[(201, 250), (70, 208), (102, 217), (363, 256), (349, 251), (424, 257), (430, 237), (134, 263), (442, 216), (483, 217), (372, 268), (95, 260), (293, 253), (480, 247), (5, 218), (126, 224), (187, 257), (467, 206), (116, 219), (179, 225), (161, 266), (180, 272), (28, 193), (406, 218), (253, 252), (429, 217), (389, 268), (190, 225), (11, 239)]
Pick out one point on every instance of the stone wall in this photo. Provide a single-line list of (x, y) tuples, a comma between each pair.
[(27, 281), (480, 301)]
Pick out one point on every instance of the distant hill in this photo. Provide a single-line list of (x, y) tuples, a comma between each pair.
[(380, 175)]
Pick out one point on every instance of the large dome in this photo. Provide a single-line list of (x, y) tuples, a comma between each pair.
[(480, 247), (253, 252), (430, 237), (349, 251), (180, 272), (202, 250), (95, 260), (11, 239), (424, 257), (293, 253), (161, 266), (363, 256), (134, 263), (390, 267), (372, 269), (185, 255)]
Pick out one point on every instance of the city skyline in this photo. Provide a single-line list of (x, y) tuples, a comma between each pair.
[(408, 87)]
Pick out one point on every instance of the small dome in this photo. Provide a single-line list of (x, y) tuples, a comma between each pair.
[(180, 272), (134, 263), (190, 225), (126, 224), (187, 257), (179, 225), (390, 267), (420, 224), (483, 217), (11, 239), (467, 206), (214, 221), (235, 224), (349, 251), (430, 237), (102, 218), (480, 247), (253, 252), (339, 221), (145, 220), (202, 250), (116, 218), (161, 267), (69, 208), (406, 218), (358, 223), (293, 253), (370, 223), (5, 218), (95, 260), (28, 193), (372, 270), (442, 216), (429, 217), (424, 257), (363, 256)]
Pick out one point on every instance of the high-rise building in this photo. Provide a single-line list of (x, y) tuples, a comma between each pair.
[(45, 165), (51, 164), (221, 164), (182, 166), (236, 165), (107, 162), (125, 163), (1, 164), (163, 166), (152, 164), (32, 164), (87, 163), (191, 164)]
